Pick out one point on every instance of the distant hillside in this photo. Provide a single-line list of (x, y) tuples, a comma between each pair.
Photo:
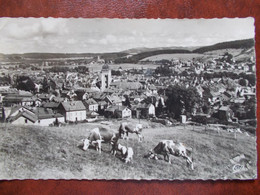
[(149, 52), (134, 55), (146, 49), (45, 56), (247, 43), (137, 57)]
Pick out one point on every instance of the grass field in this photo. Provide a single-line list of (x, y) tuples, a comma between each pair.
[(177, 56), (52, 152), (239, 54)]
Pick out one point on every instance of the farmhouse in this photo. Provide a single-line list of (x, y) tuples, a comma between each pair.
[(143, 110), (21, 116), (73, 111), (118, 112), (114, 100), (123, 112), (225, 113), (91, 105), (47, 117)]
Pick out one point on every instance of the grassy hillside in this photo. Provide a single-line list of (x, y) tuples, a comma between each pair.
[(45, 152), (247, 43), (137, 57), (179, 56)]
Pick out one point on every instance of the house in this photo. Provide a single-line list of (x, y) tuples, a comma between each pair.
[(47, 117), (110, 112), (225, 113), (51, 105), (123, 112), (102, 105), (143, 110), (114, 100), (73, 111), (91, 104), (21, 116), (118, 112)]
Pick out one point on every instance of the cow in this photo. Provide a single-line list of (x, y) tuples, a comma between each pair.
[(118, 147), (167, 147), (127, 152), (99, 135), (124, 129)]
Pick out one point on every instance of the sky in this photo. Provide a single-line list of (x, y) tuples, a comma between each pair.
[(60, 35)]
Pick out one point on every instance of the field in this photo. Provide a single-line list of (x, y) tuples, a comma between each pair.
[(98, 67), (239, 55), (52, 152), (177, 56)]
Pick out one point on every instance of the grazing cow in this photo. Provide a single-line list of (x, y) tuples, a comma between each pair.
[(127, 152), (124, 129), (167, 147), (118, 147), (99, 135)]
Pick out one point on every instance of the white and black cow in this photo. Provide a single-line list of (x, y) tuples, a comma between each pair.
[(126, 152), (167, 147), (125, 128), (99, 135), (116, 146)]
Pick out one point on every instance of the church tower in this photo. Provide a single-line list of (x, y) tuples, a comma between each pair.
[(105, 77)]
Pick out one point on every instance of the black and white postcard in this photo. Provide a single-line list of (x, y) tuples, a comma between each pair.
[(164, 99)]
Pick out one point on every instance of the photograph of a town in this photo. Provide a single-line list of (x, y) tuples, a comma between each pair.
[(167, 99)]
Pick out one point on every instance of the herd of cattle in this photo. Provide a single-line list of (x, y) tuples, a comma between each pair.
[(98, 136)]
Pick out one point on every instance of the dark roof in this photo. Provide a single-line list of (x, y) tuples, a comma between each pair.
[(102, 103), (91, 101), (73, 106), (18, 98), (26, 114), (51, 105)]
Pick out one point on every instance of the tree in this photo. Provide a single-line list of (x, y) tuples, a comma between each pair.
[(127, 102), (181, 99), (243, 82)]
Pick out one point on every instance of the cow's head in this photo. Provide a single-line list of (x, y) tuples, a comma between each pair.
[(151, 155), (86, 144), (97, 144)]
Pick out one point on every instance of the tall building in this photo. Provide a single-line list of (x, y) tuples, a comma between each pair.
[(105, 77)]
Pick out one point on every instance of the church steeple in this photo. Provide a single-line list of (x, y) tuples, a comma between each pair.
[(105, 77)]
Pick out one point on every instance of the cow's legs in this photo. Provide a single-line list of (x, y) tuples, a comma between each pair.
[(188, 160), (140, 137), (167, 158)]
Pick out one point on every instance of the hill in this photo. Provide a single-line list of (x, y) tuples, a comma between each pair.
[(246, 43), (50, 56), (52, 152), (137, 57), (134, 55)]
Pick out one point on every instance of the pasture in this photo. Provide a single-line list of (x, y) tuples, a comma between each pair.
[(176, 56), (52, 152)]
